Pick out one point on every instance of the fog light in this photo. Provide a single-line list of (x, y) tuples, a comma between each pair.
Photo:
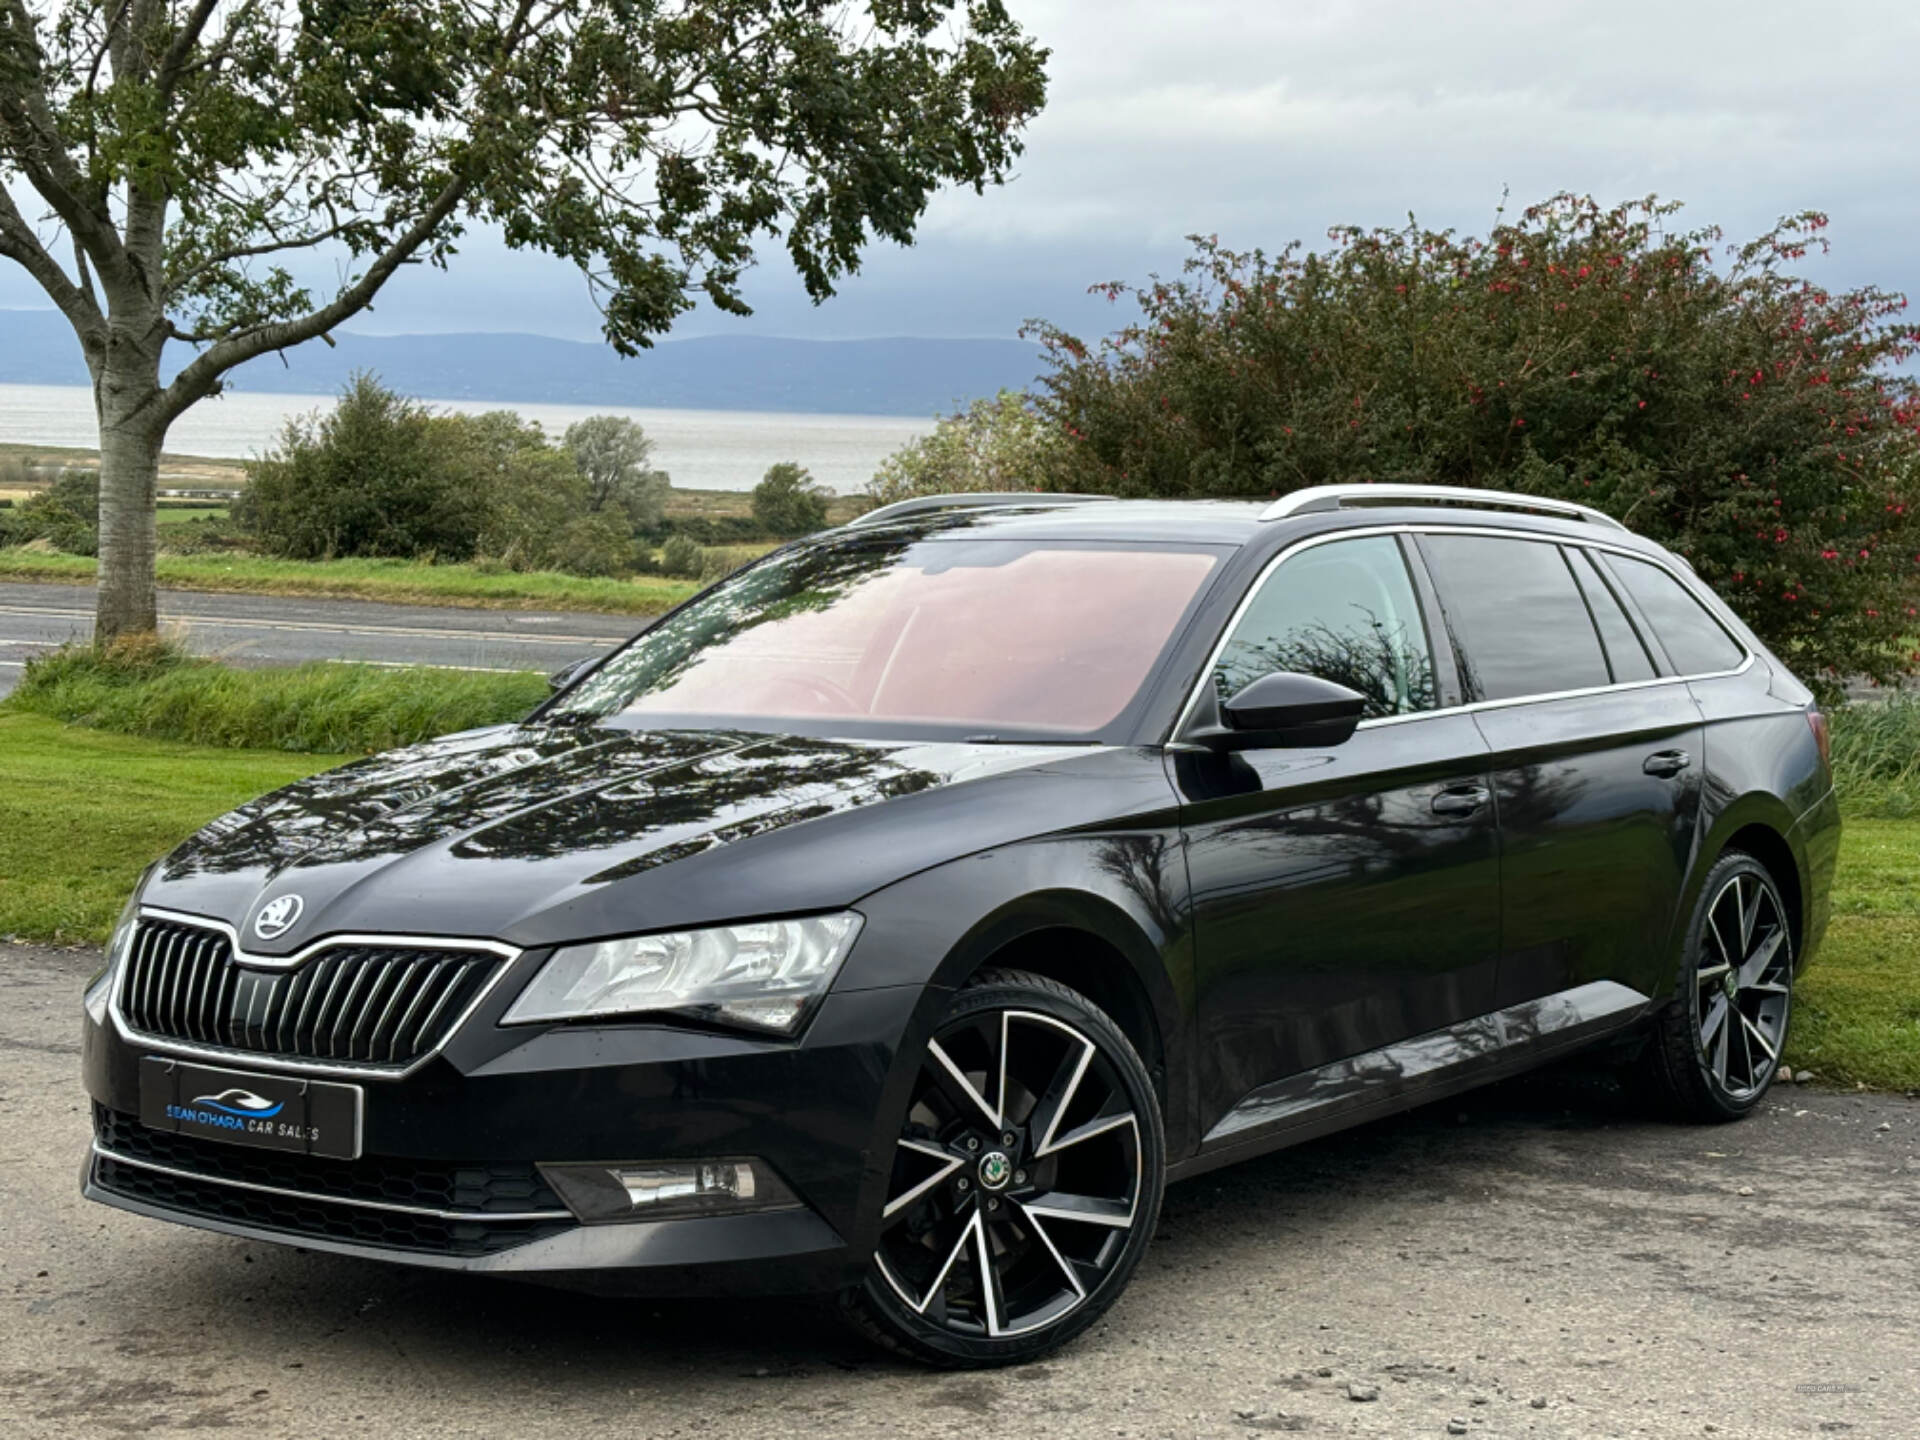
[(668, 1189)]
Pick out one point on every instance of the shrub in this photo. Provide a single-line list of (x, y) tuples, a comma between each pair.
[(145, 687), (719, 561), (370, 477), (382, 476), (998, 444), (532, 498), (614, 457), (788, 501), (65, 515), (209, 535), (682, 556), (1744, 416), (713, 529), (593, 545)]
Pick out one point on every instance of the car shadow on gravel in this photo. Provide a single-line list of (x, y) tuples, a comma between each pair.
[(456, 1322)]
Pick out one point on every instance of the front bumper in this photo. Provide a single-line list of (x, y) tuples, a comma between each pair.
[(448, 1173)]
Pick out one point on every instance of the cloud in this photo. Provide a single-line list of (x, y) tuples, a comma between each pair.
[(1268, 120)]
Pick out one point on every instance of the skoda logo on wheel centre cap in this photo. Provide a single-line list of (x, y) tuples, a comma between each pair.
[(995, 1170), (276, 917)]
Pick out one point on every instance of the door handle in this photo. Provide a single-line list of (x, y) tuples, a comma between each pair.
[(1667, 763), (1461, 800)]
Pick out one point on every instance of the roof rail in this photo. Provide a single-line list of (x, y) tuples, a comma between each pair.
[(1316, 498), (975, 500)]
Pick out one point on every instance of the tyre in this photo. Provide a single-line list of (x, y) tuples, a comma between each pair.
[(1026, 1180), (1716, 1047)]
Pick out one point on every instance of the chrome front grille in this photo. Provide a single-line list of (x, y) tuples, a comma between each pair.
[(355, 1003)]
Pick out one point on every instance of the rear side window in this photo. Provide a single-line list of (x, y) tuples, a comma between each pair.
[(1625, 653), (1518, 622), (1696, 642), (1346, 612)]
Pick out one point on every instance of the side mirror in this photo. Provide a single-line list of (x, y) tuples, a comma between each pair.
[(567, 674), (1288, 710)]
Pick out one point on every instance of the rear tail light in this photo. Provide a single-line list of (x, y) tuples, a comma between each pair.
[(1821, 737)]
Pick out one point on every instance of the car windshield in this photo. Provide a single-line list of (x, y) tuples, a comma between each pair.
[(884, 634)]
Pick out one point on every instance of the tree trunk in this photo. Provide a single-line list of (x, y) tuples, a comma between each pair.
[(127, 601)]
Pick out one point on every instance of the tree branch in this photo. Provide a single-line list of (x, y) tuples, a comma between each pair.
[(37, 148), (202, 377), (19, 244), (178, 283), (181, 49)]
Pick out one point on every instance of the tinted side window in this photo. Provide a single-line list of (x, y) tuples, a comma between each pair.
[(1344, 611), (1518, 623), (1687, 631), (1626, 655)]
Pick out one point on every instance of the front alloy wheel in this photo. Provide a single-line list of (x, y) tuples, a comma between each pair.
[(1025, 1181)]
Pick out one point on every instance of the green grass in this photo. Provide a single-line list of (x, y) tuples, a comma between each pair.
[(168, 515), (1857, 1015), (397, 581), (322, 708), (1876, 756), (81, 813)]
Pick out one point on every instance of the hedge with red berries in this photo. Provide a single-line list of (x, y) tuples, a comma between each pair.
[(1706, 394)]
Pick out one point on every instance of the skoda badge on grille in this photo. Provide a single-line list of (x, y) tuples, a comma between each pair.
[(276, 917)]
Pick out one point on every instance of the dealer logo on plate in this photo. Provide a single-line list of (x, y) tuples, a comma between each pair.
[(276, 917)]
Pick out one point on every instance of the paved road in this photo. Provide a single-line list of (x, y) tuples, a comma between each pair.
[(271, 629), (1532, 1262)]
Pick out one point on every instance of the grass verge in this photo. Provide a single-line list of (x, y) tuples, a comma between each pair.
[(81, 814), (1876, 756), (397, 581), (1857, 1014), (154, 691)]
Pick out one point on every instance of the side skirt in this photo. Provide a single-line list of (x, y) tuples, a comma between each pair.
[(1412, 1072)]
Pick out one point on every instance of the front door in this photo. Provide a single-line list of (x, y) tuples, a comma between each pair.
[(1345, 897)]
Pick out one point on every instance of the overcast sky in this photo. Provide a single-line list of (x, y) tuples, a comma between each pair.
[(1269, 120)]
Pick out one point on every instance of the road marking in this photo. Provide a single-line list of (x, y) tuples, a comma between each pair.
[(380, 664), (334, 628)]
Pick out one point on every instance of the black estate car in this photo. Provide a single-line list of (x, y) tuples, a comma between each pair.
[(893, 920)]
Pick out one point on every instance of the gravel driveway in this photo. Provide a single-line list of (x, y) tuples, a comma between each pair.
[(1534, 1261)]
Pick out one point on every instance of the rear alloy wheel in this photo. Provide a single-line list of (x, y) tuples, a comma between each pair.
[(1744, 986), (1717, 1048), (1025, 1183)]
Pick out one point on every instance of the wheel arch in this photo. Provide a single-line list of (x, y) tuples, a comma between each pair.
[(1093, 965), (1759, 825), (1097, 927)]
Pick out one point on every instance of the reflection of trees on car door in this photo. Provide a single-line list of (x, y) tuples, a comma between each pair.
[(1344, 898)]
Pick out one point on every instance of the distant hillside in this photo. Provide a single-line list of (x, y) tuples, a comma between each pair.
[(859, 377)]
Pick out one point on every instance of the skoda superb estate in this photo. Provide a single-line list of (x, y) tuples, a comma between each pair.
[(894, 920)]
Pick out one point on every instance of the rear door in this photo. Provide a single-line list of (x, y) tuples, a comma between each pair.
[(1344, 897), (1597, 758)]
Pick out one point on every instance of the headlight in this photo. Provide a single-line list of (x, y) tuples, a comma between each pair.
[(101, 986), (766, 975)]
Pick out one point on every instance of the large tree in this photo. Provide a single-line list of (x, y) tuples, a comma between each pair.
[(200, 162)]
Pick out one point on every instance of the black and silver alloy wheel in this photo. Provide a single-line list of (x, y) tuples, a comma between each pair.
[(1025, 1181), (1715, 1049), (1744, 984)]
